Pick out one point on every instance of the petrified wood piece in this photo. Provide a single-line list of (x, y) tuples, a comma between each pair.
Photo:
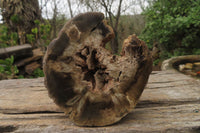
[(93, 86)]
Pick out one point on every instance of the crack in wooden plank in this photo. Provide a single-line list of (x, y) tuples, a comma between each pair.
[(162, 82), (8, 128), (159, 87), (34, 112), (149, 104)]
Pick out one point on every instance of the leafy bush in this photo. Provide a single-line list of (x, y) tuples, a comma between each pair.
[(7, 69), (7, 38), (40, 32), (38, 73), (155, 62), (175, 25), (30, 38)]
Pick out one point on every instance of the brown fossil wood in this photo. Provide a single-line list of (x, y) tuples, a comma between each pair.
[(93, 86)]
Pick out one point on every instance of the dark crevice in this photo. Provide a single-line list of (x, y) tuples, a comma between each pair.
[(119, 75), (35, 112), (196, 129), (80, 55), (94, 61), (6, 129), (96, 27), (183, 61), (92, 68), (159, 87), (93, 29), (89, 76)]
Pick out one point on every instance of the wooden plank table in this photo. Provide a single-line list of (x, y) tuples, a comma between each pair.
[(169, 103)]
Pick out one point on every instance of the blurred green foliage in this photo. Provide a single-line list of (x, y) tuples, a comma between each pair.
[(41, 32), (156, 62), (15, 18), (7, 38), (38, 73), (175, 25), (7, 69)]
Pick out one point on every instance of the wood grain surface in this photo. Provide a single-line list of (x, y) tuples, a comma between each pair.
[(169, 103)]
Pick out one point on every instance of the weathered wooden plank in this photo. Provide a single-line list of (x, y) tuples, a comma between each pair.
[(19, 51), (170, 103), (37, 55), (175, 118), (25, 96)]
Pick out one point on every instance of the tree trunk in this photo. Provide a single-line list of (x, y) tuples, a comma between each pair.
[(55, 13), (93, 86), (115, 44), (20, 16), (70, 8)]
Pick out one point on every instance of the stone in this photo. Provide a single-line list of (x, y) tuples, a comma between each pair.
[(171, 63), (188, 66), (181, 67), (190, 72), (197, 64)]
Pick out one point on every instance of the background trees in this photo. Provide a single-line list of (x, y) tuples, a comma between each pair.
[(113, 10), (56, 12), (112, 16), (174, 26), (171, 25), (170, 28)]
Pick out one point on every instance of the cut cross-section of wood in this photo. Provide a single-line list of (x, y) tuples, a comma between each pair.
[(92, 85)]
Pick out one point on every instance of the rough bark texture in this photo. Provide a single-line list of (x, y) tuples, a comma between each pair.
[(93, 86)]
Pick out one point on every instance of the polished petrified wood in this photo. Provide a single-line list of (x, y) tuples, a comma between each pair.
[(92, 85)]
